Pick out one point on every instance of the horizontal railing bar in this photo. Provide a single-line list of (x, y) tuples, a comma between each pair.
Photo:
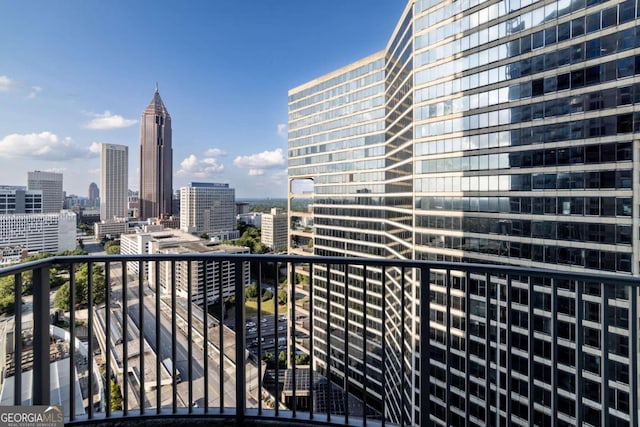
[(607, 278)]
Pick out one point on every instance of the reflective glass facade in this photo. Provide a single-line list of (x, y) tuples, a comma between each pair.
[(503, 132)]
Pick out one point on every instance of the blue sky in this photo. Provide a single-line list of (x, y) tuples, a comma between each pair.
[(74, 74)]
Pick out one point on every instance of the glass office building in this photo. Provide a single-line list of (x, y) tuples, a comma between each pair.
[(502, 132)]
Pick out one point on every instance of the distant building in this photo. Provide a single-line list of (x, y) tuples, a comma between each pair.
[(156, 159), (275, 229), (114, 177), (242, 208), (51, 185), (94, 195), (113, 228), (207, 207), (166, 222), (20, 200), (251, 218), (27, 234), (134, 204), (207, 278), (89, 216)]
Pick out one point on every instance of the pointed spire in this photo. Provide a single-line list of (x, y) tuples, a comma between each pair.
[(156, 87)]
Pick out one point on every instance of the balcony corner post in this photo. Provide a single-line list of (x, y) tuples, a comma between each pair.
[(241, 384), (41, 340)]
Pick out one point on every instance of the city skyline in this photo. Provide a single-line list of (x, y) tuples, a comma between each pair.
[(61, 99)]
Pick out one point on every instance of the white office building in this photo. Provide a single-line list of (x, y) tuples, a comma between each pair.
[(27, 234), (114, 176), (207, 207), (274, 233)]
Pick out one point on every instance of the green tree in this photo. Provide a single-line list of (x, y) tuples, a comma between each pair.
[(204, 236), (267, 295), (269, 360), (282, 359), (113, 249), (116, 396), (282, 297), (252, 291), (302, 359), (62, 300)]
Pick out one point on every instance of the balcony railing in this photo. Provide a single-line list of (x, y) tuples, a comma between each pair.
[(172, 359)]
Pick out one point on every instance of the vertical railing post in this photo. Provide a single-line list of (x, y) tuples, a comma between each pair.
[(241, 385), (17, 340), (424, 346), (41, 342)]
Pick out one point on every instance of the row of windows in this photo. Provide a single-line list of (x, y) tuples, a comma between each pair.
[(593, 259), (349, 75), (617, 42), (343, 133), (600, 73), (568, 231), (326, 113), (582, 206), (554, 132), (547, 37), (589, 154), (578, 103), (338, 145), (599, 180)]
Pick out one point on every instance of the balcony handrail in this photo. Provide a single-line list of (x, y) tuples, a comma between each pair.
[(494, 275), (608, 278)]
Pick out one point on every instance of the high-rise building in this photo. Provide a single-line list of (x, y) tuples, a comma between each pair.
[(156, 157), (274, 228), (492, 132), (19, 200), (114, 177), (51, 185), (94, 194), (207, 207)]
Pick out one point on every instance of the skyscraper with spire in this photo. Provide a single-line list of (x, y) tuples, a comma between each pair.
[(156, 159)]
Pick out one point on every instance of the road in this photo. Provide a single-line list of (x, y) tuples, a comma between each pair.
[(182, 354)]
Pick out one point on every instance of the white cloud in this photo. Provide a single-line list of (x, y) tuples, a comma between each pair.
[(283, 128), (6, 83), (199, 168), (107, 120), (259, 163), (43, 146), (215, 152), (35, 90), (95, 148)]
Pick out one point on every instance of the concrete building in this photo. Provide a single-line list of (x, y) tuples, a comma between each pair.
[(492, 132), (50, 183), (275, 226), (213, 279), (113, 228), (252, 218), (27, 234), (19, 200), (114, 178), (207, 207), (139, 243), (242, 208), (156, 160)]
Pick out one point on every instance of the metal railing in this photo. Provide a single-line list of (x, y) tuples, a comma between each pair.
[(133, 333)]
